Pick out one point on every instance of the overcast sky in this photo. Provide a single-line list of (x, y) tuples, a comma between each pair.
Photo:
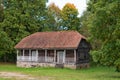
[(80, 4)]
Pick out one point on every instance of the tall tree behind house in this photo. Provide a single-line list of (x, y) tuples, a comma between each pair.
[(69, 17), (21, 18), (104, 27)]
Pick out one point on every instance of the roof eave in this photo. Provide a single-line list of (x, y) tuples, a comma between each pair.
[(50, 48)]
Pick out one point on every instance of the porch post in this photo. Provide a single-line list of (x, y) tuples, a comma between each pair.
[(74, 55), (17, 55), (57, 58), (45, 55), (23, 55), (54, 56), (36, 55), (29, 54), (64, 56)]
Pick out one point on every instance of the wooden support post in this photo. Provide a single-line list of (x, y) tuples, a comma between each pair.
[(23, 55), (74, 55), (17, 55), (64, 56), (54, 56), (30, 57), (45, 55), (36, 55), (57, 57)]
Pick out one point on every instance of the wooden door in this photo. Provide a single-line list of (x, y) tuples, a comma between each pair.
[(60, 57), (33, 56)]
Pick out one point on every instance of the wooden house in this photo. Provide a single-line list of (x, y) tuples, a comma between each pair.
[(53, 49)]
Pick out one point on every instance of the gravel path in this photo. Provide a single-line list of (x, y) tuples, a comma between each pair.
[(16, 76)]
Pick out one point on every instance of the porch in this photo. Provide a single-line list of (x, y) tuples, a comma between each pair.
[(47, 56)]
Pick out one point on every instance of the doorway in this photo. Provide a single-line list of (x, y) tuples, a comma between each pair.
[(60, 58), (33, 55)]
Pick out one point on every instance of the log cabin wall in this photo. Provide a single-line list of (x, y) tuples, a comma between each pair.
[(83, 52)]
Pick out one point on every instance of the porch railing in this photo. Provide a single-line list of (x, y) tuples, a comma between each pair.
[(68, 60), (50, 59), (33, 58), (26, 58), (41, 59)]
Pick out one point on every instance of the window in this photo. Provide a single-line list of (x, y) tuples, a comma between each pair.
[(26, 53), (41, 52)]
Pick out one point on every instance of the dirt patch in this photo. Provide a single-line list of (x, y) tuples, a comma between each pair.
[(17, 76)]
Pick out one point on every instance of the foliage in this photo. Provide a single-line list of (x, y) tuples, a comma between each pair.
[(117, 63), (96, 55), (1, 12), (21, 18), (54, 16), (6, 47), (5, 44), (104, 26), (54, 10), (65, 19), (69, 15), (84, 24)]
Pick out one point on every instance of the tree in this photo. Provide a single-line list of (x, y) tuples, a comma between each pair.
[(6, 45), (105, 26), (55, 15), (69, 17), (21, 18), (84, 24), (55, 10)]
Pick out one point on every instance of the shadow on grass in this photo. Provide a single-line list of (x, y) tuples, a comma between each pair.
[(115, 76), (108, 76)]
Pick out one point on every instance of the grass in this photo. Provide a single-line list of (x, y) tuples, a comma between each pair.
[(93, 73)]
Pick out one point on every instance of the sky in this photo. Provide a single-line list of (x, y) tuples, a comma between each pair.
[(80, 4)]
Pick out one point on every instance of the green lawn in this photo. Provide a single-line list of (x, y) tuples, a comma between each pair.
[(93, 73)]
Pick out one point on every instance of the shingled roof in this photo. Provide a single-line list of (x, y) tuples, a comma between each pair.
[(51, 40)]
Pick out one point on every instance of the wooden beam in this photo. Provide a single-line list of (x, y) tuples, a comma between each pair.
[(74, 55), (45, 55), (64, 56), (17, 54), (30, 56), (36, 55), (54, 56), (57, 57), (23, 55)]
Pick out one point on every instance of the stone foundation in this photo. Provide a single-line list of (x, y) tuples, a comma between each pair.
[(71, 66), (36, 64)]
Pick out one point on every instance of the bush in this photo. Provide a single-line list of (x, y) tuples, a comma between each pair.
[(117, 63), (96, 56)]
